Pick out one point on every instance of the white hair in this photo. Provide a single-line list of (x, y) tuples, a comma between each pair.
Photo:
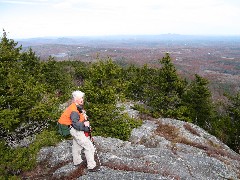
[(77, 94)]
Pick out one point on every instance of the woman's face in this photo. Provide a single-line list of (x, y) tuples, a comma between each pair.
[(80, 100)]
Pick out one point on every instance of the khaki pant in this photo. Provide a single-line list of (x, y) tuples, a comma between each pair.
[(80, 141)]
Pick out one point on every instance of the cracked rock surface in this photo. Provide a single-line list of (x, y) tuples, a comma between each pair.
[(160, 149), (149, 154)]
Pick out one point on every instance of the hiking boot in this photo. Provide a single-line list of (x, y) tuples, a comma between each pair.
[(97, 168)]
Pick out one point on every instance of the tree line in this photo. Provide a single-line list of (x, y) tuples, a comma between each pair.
[(31, 91)]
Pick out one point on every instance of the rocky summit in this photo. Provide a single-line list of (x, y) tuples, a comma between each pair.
[(160, 149)]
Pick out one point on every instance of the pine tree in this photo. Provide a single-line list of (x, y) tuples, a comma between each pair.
[(233, 114), (102, 88), (197, 98), (139, 80), (167, 89), (9, 74), (24, 96)]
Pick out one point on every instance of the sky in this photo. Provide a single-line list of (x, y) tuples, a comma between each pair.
[(65, 18)]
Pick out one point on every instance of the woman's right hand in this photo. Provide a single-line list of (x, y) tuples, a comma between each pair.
[(86, 123)]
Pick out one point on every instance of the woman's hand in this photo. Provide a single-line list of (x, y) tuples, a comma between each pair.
[(85, 115), (86, 123)]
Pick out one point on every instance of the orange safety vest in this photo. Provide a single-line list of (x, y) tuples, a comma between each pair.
[(65, 117)]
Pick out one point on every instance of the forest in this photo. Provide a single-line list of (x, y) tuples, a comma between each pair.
[(31, 92)]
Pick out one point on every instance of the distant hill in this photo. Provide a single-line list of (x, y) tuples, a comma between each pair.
[(130, 39)]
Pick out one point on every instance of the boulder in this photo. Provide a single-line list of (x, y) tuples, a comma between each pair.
[(159, 149)]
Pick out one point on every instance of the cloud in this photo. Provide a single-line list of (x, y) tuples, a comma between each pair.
[(26, 2)]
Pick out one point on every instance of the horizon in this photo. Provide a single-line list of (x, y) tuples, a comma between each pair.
[(130, 36), (24, 19)]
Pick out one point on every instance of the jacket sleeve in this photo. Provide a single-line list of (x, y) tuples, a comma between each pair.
[(74, 116)]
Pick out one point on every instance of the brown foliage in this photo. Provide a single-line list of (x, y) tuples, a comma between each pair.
[(167, 131), (171, 133), (191, 129), (42, 171), (120, 166)]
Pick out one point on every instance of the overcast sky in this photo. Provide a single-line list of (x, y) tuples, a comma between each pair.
[(40, 18)]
